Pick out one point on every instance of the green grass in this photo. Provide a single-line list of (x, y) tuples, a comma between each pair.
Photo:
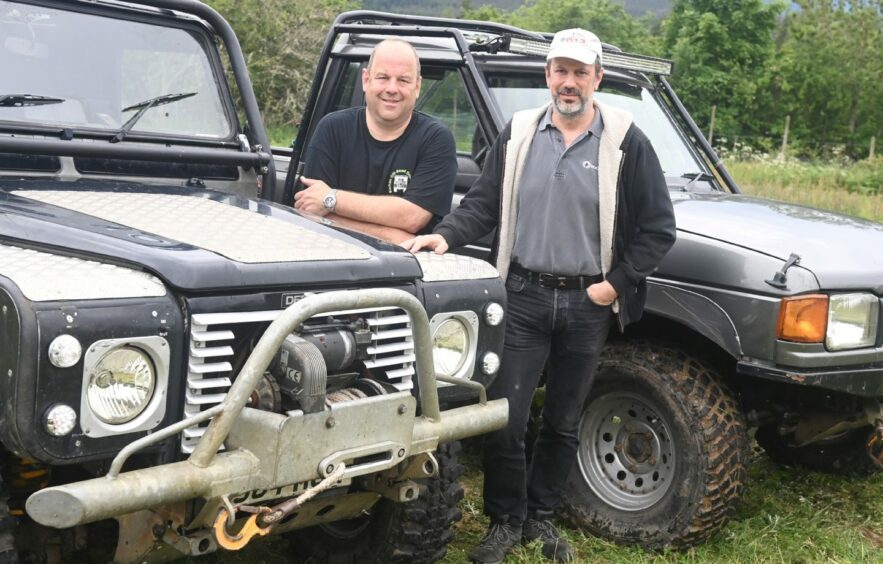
[(855, 189), (281, 135), (788, 515)]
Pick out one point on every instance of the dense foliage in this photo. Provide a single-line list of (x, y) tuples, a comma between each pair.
[(608, 19), (722, 52), (818, 61), (281, 40), (829, 72)]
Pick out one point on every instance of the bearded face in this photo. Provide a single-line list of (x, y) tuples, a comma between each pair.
[(572, 85), (570, 101)]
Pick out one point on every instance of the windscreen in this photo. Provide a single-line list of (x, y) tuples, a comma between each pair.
[(85, 71), (520, 92)]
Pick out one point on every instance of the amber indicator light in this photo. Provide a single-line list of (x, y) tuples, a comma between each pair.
[(803, 319)]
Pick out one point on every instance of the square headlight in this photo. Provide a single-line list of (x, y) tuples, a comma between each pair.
[(852, 321)]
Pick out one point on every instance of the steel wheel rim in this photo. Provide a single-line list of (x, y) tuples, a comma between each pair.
[(626, 454)]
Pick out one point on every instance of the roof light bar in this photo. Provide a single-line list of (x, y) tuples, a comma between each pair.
[(612, 59), (640, 63), (528, 47)]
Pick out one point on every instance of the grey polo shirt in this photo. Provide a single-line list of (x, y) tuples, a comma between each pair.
[(557, 230)]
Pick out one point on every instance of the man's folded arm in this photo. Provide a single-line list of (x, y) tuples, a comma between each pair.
[(391, 234), (392, 211)]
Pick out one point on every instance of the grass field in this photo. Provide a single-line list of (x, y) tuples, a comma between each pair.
[(854, 190), (788, 515)]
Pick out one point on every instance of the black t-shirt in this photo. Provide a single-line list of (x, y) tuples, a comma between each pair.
[(420, 166)]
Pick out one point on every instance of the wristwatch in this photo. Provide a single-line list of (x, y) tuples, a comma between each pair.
[(330, 200)]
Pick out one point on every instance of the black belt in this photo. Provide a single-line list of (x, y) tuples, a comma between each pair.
[(555, 281)]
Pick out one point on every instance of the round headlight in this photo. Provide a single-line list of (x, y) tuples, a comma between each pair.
[(64, 351), (493, 314), (490, 363), (121, 385), (450, 347), (60, 420)]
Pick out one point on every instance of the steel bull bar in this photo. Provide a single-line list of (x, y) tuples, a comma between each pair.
[(267, 450)]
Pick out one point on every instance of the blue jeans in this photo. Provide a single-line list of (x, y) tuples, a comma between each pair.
[(569, 330)]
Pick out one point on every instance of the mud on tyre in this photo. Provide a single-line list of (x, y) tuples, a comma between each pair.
[(413, 532), (663, 450)]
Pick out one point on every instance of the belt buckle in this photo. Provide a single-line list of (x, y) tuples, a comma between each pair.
[(547, 280)]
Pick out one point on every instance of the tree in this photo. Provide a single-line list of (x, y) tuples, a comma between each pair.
[(722, 51), (608, 20), (281, 40), (831, 67), (484, 13)]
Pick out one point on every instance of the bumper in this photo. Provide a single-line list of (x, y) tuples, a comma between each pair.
[(270, 450), (864, 381)]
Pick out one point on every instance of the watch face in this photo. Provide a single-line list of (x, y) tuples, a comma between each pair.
[(329, 201)]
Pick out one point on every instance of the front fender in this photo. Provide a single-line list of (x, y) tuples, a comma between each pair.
[(696, 311)]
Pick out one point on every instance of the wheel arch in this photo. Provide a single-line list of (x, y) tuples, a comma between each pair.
[(680, 309)]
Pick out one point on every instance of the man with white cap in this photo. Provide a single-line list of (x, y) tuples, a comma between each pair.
[(583, 215)]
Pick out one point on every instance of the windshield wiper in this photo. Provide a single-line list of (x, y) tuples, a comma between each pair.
[(21, 100), (142, 108), (694, 176)]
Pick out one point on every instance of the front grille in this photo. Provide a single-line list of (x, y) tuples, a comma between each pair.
[(213, 337)]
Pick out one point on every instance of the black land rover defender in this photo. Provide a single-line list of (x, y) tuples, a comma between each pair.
[(186, 362), (763, 315)]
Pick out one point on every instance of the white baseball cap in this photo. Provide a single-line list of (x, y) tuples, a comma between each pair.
[(577, 44)]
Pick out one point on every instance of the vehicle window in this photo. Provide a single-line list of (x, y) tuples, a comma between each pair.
[(57, 78), (443, 96), (514, 93), (350, 91)]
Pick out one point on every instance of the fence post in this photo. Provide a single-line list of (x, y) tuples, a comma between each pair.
[(871, 150), (711, 126), (784, 150)]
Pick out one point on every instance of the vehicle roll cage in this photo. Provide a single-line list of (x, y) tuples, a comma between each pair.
[(365, 22)]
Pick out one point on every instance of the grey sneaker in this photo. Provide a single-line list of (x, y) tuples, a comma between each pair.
[(500, 538), (554, 547)]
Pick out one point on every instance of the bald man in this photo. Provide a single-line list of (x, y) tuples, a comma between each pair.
[(382, 169)]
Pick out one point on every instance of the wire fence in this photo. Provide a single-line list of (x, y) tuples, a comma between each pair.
[(782, 144)]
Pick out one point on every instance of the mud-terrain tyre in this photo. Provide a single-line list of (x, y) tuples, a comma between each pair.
[(845, 454), (663, 450), (414, 532)]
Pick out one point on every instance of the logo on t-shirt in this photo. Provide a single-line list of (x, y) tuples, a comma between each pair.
[(398, 181)]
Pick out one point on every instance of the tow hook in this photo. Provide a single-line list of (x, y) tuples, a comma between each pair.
[(248, 531), (264, 518), (875, 444)]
